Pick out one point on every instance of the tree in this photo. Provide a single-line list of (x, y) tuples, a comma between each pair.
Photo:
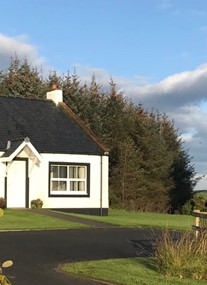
[(155, 162), (21, 80), (182, 171), (71, 93), (124, 176), (183, 175)]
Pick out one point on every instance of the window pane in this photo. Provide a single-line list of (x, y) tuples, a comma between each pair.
[(81, 172), (77, 186), (62, 186), (62, 171), (72, 172), (58, 185), (54, 171), (81, 186), (73, 186), (54, 185)]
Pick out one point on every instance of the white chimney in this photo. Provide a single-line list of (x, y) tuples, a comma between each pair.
[(55, 95)]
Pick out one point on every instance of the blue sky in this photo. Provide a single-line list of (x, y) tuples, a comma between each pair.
[(156, 51), (151, 38)]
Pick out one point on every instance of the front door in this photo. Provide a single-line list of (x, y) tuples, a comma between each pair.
[(16, 184)]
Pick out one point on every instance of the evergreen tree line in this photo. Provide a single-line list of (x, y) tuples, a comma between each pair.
[(149, 168)]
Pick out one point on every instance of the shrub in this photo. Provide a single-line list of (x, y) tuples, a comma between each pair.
[(199, 202), (38, 203), (184, 256), (187, 208), (2, 203)]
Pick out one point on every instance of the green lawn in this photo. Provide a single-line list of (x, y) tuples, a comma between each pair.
[(19, 219), (131, 219), (130, 271), (25, 220), (133, 271)]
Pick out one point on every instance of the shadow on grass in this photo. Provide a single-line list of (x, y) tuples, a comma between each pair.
[(149, 263)]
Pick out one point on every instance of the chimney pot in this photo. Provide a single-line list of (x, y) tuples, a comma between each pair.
[(54, 86)]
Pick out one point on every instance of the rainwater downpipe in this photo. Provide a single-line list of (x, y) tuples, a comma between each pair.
[(101, 186)]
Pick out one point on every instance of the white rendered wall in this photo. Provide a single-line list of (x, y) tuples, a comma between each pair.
[(2, 175), (39, 182)]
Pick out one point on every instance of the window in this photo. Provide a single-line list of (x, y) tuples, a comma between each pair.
[(69, 179)]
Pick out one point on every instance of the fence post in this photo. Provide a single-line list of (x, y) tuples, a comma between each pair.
[(197, 223)]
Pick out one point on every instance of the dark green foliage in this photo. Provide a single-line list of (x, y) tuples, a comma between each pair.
[(35, 204), (181, 171), (187, 208), (197, 202), (149, 168), (183, 178), (21, 80)]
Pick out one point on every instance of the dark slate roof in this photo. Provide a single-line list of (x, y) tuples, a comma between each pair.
[(13, 146), (49, 127)]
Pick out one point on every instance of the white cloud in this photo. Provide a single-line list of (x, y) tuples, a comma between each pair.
[(86, 73), (202, 184), (176, 90), (9, 46)]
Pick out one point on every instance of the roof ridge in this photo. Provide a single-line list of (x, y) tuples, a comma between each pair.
[(17, 139), (25, 98)]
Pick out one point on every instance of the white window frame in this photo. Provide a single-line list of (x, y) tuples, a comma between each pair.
[(69, 180)]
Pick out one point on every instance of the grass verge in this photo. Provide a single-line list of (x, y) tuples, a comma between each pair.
[(130, 271), (133, 219), (25, 220)]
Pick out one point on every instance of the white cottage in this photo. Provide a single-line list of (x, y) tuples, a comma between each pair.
[(47, 152)]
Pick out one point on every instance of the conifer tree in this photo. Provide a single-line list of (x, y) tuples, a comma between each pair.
[(22, 80), (182, 172)]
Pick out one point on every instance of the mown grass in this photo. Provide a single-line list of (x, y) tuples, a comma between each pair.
[(133, 219), (130, 271), (20, 219), (134, 271), (25, 220)]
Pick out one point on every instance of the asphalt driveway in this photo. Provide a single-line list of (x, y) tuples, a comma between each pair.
[(36, 254)]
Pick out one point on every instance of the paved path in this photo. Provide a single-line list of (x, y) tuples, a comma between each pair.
[(36, 254), (71, 218)]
